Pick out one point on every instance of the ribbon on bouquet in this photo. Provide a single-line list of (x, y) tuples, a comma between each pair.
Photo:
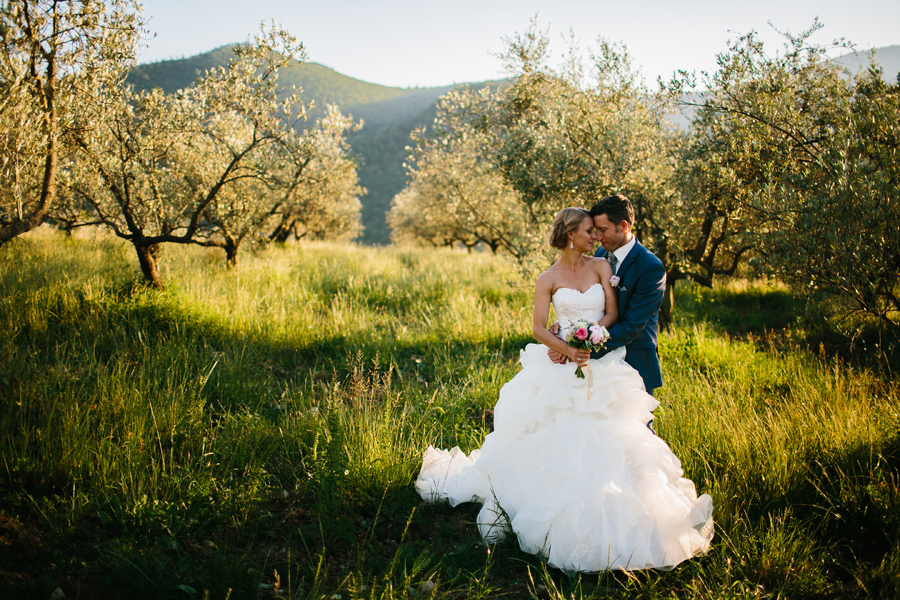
[(589, 378)]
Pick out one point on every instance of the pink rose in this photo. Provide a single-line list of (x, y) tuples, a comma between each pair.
[(614, 280), (598, 334), (581, 333)]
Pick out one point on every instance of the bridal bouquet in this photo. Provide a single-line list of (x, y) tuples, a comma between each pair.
[(586, 335)]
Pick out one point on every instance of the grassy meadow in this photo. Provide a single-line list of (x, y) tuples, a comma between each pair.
[(255, 432)]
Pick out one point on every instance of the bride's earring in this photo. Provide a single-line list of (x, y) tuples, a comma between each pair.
[(571, 244)]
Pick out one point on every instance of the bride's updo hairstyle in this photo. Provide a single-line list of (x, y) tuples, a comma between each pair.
[(567, 220)]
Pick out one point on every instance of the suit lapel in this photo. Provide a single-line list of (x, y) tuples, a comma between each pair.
[(628, 260)]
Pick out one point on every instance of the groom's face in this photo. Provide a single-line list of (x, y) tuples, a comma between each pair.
[(610, 235)]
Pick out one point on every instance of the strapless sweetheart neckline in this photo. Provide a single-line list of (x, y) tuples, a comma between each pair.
[(558, 290)]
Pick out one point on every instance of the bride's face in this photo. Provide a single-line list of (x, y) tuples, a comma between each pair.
[(583, 236)]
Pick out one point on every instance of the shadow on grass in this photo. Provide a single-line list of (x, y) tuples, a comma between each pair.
[(776, 316), (739, 311), (850, 498), (173, 548), (133, 321)]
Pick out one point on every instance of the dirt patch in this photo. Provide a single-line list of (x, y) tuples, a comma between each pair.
[(21, 548)]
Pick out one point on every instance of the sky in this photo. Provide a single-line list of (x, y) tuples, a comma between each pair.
[(426, 43)]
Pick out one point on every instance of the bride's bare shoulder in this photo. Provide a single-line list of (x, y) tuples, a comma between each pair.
[(601, 264), (551, 272), (548, 278)]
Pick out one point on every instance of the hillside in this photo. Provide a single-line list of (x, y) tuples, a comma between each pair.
[(381, 147), (389, 114), (318, 82), (887, 57)]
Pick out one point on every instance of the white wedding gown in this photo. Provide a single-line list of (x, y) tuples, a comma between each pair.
[(580, 481)]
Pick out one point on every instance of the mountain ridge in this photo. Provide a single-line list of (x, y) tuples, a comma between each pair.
[(887, 57), (320, 82)]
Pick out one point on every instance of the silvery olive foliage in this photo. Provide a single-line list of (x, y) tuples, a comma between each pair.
[(801, 158), (559, 137), (789, 164), (571, 135), (56, 55), (216, 163), (321, 185), (848, 235), (455, 194)]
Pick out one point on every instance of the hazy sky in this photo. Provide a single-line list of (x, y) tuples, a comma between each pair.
[(408, 43)]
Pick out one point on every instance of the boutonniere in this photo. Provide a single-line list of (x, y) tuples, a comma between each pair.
[(614, 281)]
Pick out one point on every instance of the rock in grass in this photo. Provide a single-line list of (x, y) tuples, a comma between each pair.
[(426, 587)]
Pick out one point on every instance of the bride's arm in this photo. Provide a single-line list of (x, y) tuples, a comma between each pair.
[(542, 294), (612, 300)]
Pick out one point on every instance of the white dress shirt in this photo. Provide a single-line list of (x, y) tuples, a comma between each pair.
[(622, 251)]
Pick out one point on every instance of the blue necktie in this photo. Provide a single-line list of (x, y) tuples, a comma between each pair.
[(613, 260)]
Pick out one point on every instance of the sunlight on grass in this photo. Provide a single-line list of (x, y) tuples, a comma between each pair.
[(281, 408)]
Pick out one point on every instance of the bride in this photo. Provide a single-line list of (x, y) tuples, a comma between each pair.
[(573, 471)]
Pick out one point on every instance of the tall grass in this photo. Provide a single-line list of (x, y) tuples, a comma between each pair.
[(272, 418)]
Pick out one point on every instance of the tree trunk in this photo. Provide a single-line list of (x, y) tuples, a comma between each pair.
[(28, 222), (148, 257), (20, 226), (668, 303), (231, 252), (280, 235)]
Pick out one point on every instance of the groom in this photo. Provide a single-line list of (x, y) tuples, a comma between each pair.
[(639, 289), (640, 284)]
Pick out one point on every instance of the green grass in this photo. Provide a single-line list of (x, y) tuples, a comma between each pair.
[(272, 418)]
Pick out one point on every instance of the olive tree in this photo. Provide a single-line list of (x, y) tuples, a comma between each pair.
[(552, 138), (847, 225), (455, 194), (56, 54), (805, 156), (320, 189), (574, 134), (208, 165)]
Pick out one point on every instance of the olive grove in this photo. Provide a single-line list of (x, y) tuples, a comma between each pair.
[(231, 158), (788, 165)]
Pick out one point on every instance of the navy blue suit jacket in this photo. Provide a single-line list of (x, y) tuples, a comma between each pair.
[(642, 283)]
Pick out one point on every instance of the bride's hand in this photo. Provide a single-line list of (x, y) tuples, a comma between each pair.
[(579, 356), (557, 357)]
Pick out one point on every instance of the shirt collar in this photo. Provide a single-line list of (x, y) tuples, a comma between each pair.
[(622, 251)]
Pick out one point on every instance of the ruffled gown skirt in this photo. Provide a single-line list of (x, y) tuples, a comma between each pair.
[(579, 480)]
